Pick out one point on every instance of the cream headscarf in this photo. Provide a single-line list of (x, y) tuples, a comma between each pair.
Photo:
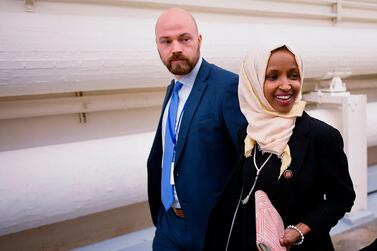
[(268, 128)]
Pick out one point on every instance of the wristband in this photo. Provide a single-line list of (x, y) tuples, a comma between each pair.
[(299, 231)]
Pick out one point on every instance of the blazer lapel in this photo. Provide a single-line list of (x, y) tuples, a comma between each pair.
[(299, 142), (167, 97), (157, 143), (191, 107), (156, 151)]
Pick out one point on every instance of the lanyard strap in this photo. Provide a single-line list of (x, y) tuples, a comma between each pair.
[(173, 133)]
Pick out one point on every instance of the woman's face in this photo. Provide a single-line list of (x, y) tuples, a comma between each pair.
[(282, 81)]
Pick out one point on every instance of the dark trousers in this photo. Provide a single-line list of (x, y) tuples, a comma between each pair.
[(172, 233)]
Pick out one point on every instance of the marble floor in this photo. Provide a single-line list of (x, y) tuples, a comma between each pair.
[(349, 240), (345, 237), (356, 238), (353, 238)]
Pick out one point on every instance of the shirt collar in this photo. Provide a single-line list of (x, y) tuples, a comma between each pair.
[(189, 79)]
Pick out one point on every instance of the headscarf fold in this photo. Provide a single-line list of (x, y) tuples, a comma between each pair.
[(268, 128)]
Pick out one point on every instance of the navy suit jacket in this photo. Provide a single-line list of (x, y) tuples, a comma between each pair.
[(205, 151)]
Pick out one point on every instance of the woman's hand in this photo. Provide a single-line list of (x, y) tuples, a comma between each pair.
[(289, 237), (292, 235)]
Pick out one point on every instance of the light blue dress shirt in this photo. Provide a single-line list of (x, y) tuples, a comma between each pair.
[(188, 82)]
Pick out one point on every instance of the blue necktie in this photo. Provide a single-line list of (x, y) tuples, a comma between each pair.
[(167, 195)]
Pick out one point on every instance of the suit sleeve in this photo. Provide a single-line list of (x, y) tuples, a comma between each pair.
[(233, 117), (336, 184)]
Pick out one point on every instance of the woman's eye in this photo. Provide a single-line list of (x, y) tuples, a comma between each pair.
[(294, 76), (271, 77)]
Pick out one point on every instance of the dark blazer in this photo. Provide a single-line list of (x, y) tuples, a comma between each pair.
[(205, 151), (319, 193)]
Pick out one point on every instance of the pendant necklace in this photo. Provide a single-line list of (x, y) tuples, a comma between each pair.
[(259, 169)]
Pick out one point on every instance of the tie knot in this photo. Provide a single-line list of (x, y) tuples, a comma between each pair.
[(177, 86)]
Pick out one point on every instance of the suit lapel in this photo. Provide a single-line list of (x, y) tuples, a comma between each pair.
[(191, 107), (158, 137), (299, 142), (167, 97)]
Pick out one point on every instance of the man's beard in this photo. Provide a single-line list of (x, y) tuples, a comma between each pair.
[(183, 67)]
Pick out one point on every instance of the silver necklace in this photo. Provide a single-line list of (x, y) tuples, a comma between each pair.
[(259, 169)]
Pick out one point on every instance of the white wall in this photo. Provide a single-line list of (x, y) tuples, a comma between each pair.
[(52, 167), (47, 184), (65, 47)]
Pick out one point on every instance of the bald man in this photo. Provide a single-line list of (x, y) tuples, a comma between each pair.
[(193, 152)]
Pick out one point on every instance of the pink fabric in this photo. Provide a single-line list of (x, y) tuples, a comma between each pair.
[(269, 224)]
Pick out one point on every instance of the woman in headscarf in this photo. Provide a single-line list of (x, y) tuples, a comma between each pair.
[(297, 162)]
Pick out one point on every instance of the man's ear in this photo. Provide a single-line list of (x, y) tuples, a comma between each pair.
[(200, 39)]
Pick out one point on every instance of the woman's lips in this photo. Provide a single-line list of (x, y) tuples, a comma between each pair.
[(283, 99)]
